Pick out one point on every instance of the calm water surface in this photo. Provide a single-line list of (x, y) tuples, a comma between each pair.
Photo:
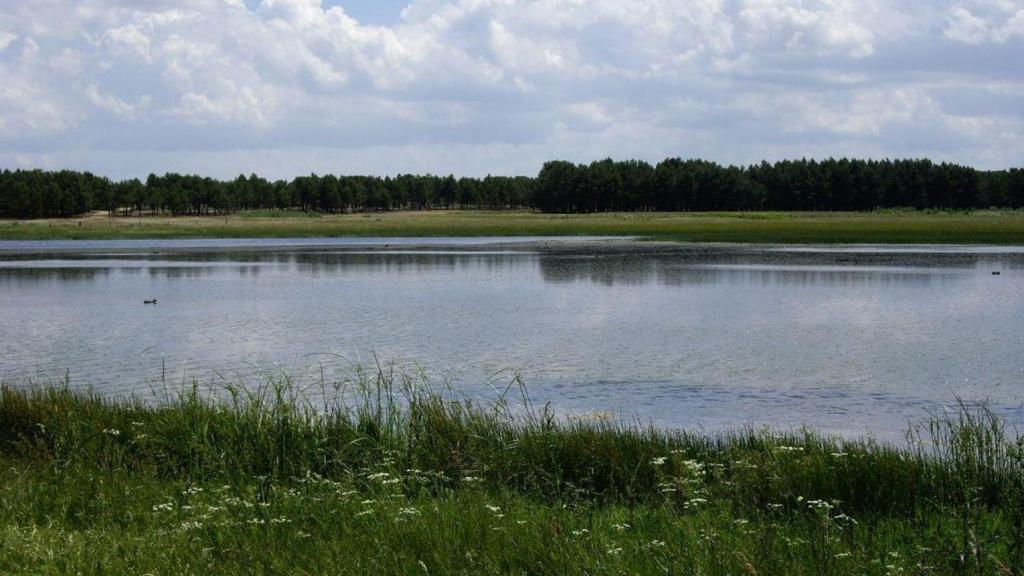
[(848, 340)]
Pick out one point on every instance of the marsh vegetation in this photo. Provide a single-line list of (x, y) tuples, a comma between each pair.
[(383, 474)]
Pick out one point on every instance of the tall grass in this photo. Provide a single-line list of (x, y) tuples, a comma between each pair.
[(957, 489), (279, 429)]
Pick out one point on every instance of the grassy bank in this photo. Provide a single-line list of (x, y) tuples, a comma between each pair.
[(982, 227), (389, 479)]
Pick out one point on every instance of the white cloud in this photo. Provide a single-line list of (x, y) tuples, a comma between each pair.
[(982, 21), (483, 86), (113, 104), (523, 54), (850, 27), (128, 38), (964, 26), (6, 38), (241, 105), (27, 110), (861, 113)]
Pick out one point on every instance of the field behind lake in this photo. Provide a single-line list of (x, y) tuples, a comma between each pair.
[(977, 227)]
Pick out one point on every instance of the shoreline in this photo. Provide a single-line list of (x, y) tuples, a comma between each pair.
[(989, 227), (264, 484), (582, 245)]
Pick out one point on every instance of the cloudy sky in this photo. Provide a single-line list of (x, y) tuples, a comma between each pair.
[(287, 87)]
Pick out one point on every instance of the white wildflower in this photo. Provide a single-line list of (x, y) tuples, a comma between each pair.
[(693, 465), (694, 502), (819, 504)]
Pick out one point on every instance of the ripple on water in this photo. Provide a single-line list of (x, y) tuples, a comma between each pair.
[(848, 340)]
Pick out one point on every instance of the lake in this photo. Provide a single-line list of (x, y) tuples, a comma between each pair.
[(847, 340)]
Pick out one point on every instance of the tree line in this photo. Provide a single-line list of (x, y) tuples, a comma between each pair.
[(606, 185), (831, 185)]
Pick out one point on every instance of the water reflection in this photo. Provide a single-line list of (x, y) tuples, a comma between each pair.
[(845, 340), (24, 276), (632, 271), (412, 262), (611, 266)]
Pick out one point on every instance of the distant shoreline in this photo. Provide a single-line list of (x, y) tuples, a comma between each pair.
[(995, 227)]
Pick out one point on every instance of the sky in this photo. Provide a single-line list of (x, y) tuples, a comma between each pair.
[(474, 87)]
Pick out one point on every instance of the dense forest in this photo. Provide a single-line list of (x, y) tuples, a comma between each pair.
[(697, 185), (606, 185)]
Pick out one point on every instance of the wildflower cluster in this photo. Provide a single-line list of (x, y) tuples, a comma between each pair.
[(684, 481)]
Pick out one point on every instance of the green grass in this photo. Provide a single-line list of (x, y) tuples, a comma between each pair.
[(382, 475), (979, 227)]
